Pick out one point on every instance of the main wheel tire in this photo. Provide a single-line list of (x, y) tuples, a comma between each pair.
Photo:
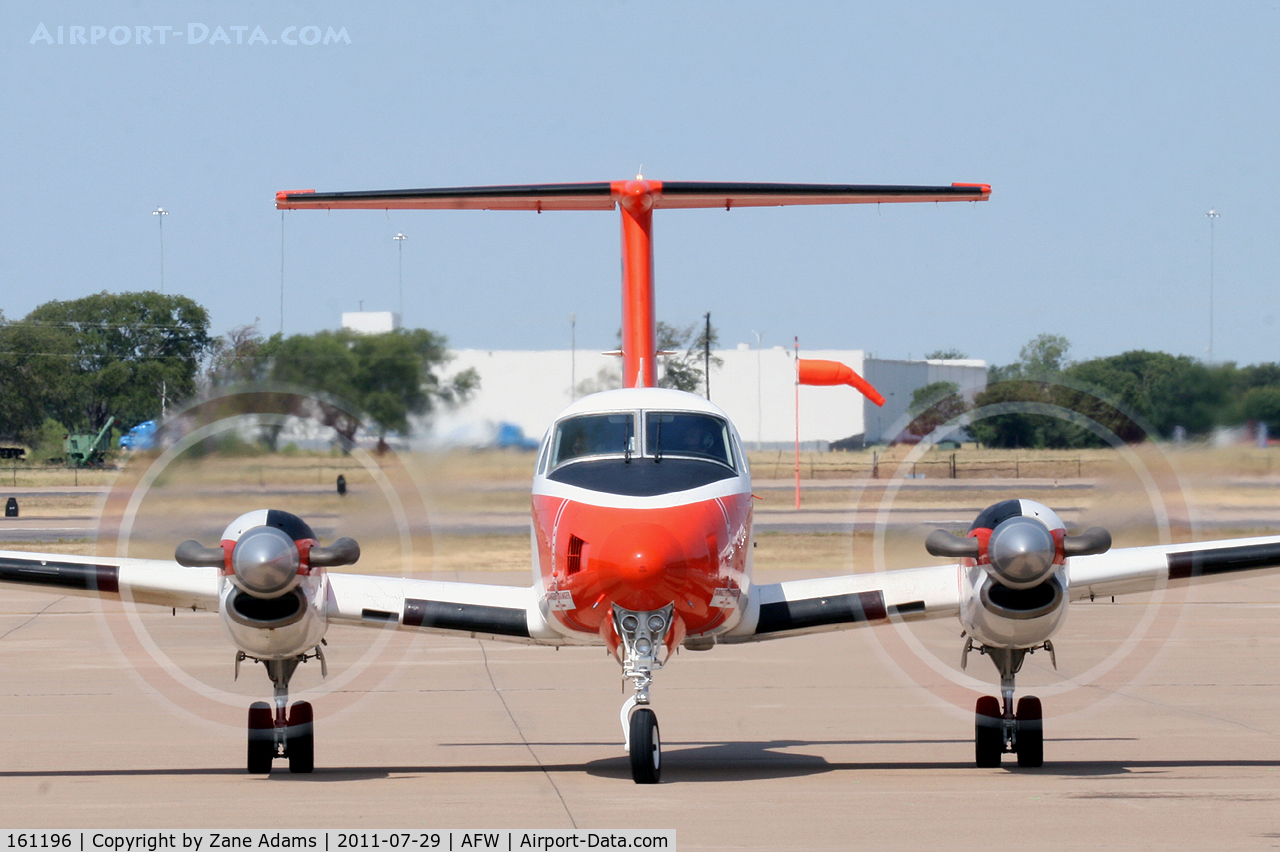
[(262, 744), (299, 739), (646, 747), (1030, 742), (988, 734)]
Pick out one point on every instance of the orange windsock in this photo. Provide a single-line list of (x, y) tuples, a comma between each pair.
[(818, 372)]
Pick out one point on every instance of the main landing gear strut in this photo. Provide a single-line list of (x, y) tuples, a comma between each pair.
[(280, 734), (642, 635), (998, 729)]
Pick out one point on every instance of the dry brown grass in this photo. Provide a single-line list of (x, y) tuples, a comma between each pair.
[(197, 497)]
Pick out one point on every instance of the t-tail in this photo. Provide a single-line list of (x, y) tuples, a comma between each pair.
[(635, 200)]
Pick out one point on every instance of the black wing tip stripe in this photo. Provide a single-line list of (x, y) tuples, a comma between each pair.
[(104, 579), (819, 612), (1222, 560), (471, 618)]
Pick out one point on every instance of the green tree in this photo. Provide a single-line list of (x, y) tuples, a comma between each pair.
[(1018, 427), (945, 355), (236, 357), (132, 352), (1165, 390), (1024, 386), (35, 378), (684, 369), (1263, 405), (934, 404), (387, 377)]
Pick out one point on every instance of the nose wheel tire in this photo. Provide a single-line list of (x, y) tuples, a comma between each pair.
[(646, 747), (1030, 732), (262, 745), (988, 737), (299, 741)]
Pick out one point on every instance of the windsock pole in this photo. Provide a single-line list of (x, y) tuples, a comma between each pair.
[(797, 340)]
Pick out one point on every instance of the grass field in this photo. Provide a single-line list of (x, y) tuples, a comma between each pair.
[(195, 497)]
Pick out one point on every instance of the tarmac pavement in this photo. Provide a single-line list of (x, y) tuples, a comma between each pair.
[(820, 742)]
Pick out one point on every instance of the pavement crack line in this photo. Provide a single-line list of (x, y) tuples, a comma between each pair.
[(484, 653), (5, 635)]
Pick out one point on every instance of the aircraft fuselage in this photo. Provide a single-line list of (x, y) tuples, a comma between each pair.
[(642, 498)]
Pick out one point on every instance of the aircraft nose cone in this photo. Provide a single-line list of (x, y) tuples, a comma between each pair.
[(642, 561), (265, 560), (1021, 551)]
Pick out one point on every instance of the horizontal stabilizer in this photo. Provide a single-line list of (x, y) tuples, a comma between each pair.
[(543, 196), (730, 195), (604, 196)]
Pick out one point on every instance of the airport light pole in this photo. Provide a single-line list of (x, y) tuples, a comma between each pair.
[(160, 213), (759, 395), (706, 353), (1212, 214), (400, 238), (573, 357), (281, 274)]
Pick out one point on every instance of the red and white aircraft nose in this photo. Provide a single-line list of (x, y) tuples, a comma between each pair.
[(642, 566)]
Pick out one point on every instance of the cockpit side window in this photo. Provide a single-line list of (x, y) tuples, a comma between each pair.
[(593, 435), (542, 456), (673, 433)]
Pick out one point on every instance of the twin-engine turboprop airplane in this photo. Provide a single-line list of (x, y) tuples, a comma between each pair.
[(642, 530)]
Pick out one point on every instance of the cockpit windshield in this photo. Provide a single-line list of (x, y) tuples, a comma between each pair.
[(667, 434), (594, 435), (687, 434)]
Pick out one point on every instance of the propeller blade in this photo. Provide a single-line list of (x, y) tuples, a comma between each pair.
[(193, 554), (943, 543), (344, 551), (1090, 542)]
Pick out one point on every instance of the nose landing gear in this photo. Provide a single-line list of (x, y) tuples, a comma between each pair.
[(288, 731), (998, 729), (642, 635)]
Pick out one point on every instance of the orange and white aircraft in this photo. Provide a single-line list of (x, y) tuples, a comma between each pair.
[(642, 531)]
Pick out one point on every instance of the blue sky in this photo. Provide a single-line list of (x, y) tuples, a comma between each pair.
[(1107, 131)]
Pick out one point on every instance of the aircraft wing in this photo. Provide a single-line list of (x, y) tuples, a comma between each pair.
[(795, 607), (605, 195), (506, 613), (1143, 569), (148, 581)]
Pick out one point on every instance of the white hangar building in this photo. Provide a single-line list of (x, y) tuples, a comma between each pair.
[(755, 387)]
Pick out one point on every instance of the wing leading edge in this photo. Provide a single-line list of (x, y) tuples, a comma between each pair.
[(507, 613), (146, 581), (796, 607)]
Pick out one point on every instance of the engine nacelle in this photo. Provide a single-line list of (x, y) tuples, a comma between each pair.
[(1015, 585), (272, 600), (275, 628)]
